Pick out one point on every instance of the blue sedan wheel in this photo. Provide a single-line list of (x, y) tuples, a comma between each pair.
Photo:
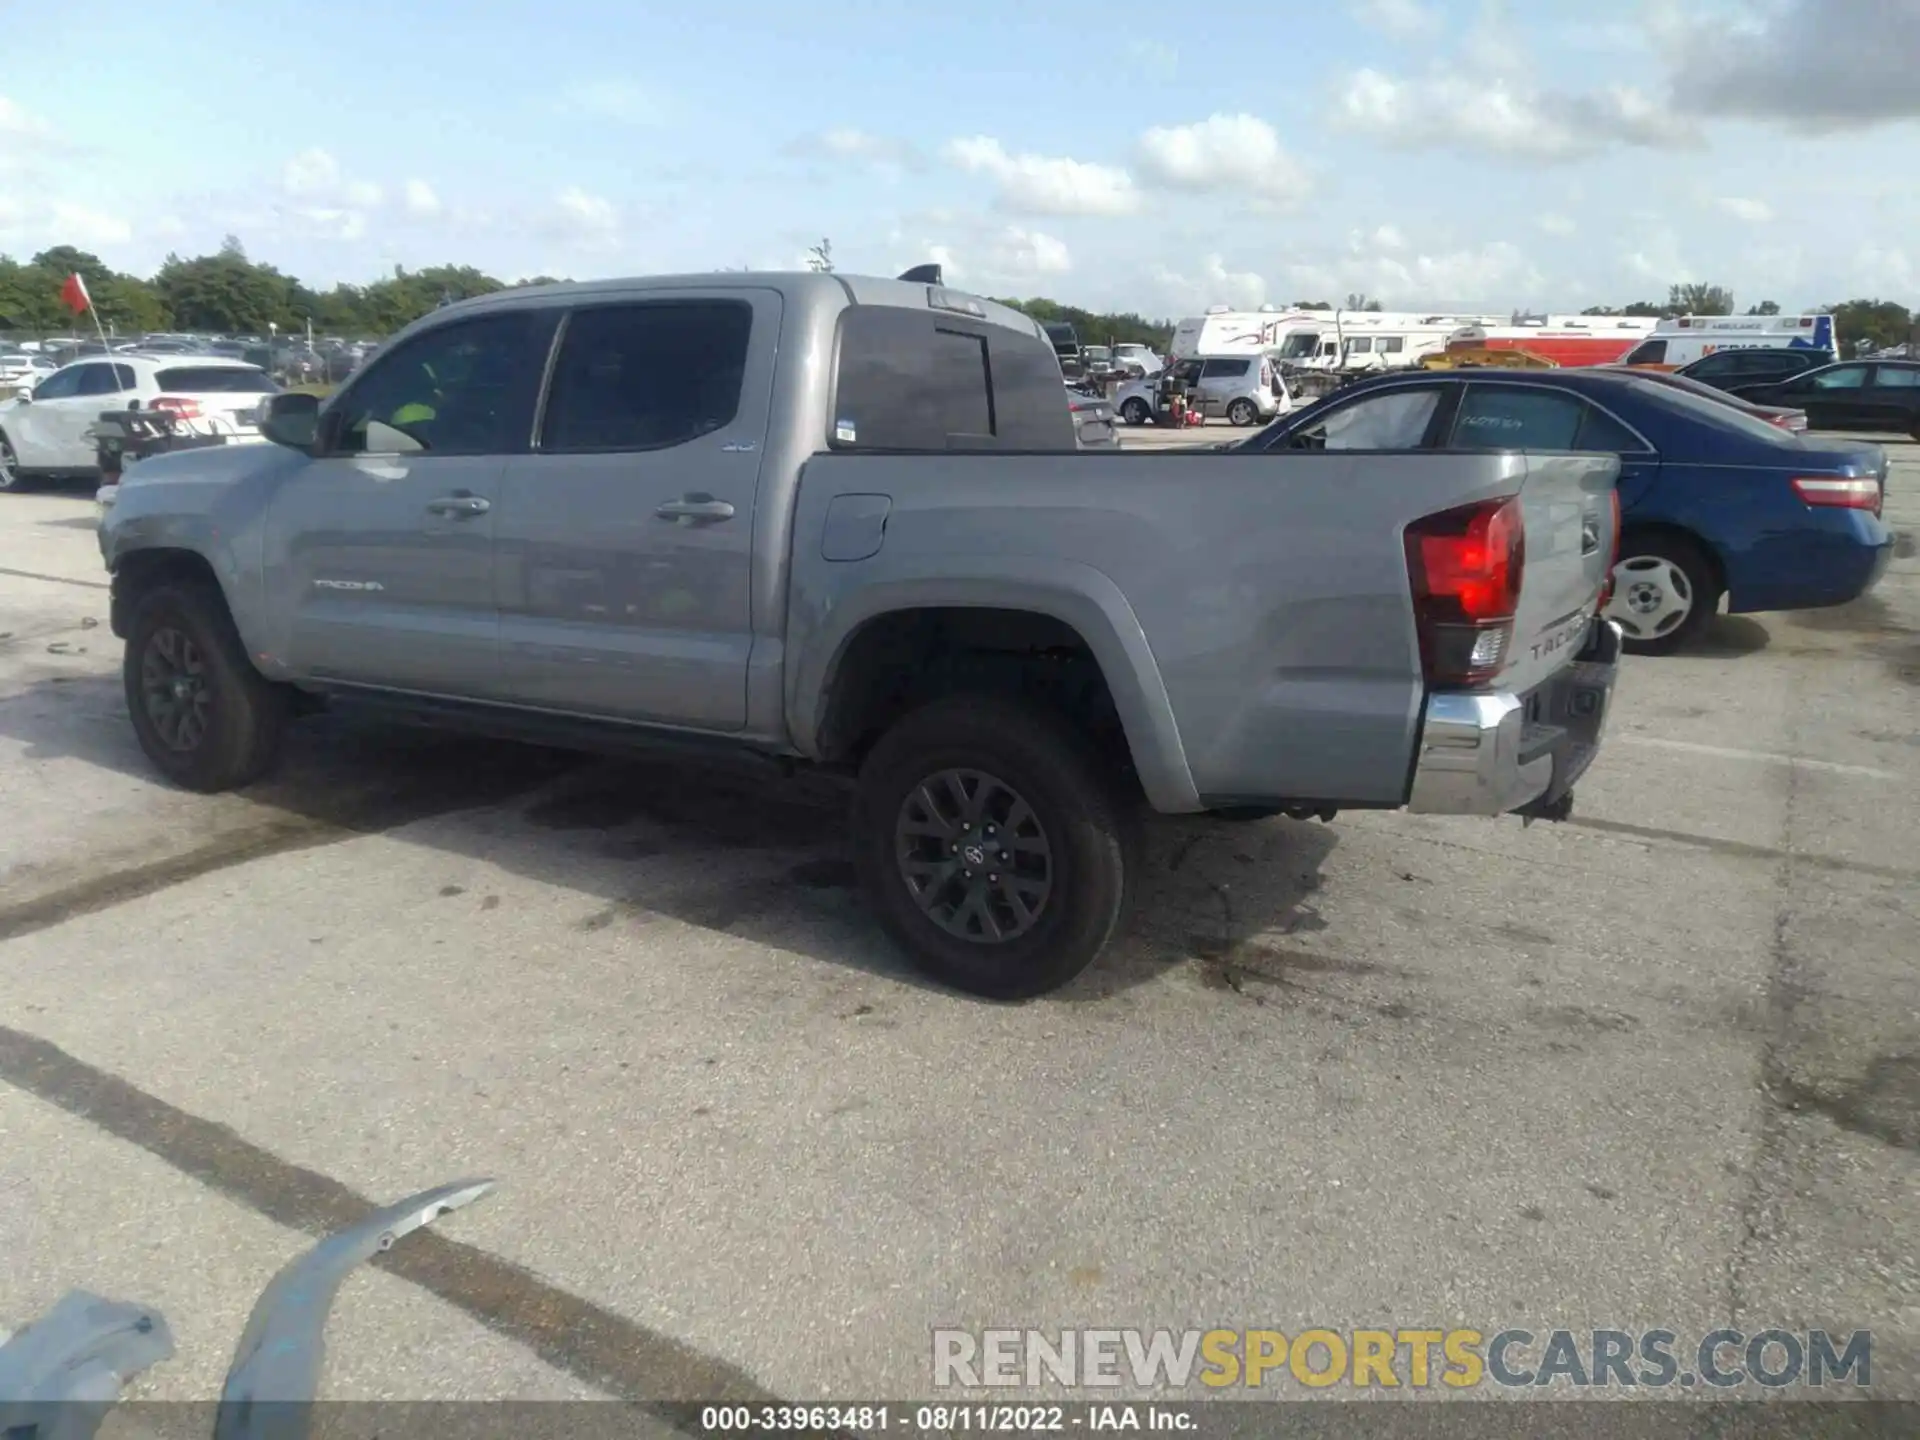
[(1664, 593)]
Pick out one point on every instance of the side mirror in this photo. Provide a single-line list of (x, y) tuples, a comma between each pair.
[(293, 420), (25, 392)]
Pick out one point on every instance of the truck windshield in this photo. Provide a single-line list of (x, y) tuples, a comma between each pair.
[(1300, 347)]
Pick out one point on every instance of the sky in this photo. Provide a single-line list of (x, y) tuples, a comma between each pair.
[(1550, 154)]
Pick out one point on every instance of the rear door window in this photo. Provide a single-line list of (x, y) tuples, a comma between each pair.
[(1515, 417), (912, 379), (1844, 377), (647, 376), (99, 379), (1395, 420), (1893, 377), (1224, 370)]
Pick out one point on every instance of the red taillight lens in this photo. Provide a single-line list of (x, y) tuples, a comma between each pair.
[(1845, 493), (1613, 554), (1465, 567), (176, 407)]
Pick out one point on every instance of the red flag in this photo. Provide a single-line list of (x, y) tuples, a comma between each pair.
[(74, 294)]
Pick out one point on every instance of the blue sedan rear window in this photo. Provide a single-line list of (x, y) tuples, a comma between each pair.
[(1724, 416)]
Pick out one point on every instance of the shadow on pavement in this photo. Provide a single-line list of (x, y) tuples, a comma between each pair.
[(731, 850)]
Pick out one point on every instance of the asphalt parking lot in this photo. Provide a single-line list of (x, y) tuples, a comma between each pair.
[(1659, 1066)]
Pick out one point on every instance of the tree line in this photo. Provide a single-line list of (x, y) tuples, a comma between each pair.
[(230, 294), (227, 294)]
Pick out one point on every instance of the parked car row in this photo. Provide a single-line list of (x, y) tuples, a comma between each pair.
[(1716, 501), (46, 427)]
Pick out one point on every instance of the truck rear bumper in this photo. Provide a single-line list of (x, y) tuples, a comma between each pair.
[(1498, 753)]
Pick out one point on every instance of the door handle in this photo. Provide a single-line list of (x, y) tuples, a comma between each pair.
[(695, 507), (460, 506)]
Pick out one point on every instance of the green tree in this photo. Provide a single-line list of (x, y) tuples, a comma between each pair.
[(1362, 302), (1699, 298), (1600, 310), (1311, 305), (1872, 324), (820, 257), (1765, 307), (1097, 327), (224, 293)]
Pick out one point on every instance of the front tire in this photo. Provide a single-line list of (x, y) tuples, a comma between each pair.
[(1665, 593), (1135, 411), (993, 853), (10, 477), (204, 716), (1242, 413)]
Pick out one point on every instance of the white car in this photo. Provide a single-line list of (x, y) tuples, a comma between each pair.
[(45, 429)]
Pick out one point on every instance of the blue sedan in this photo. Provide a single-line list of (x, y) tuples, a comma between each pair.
[(1713, 502)]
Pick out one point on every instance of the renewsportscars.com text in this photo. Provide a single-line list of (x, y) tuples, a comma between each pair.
[(1390, 1359)]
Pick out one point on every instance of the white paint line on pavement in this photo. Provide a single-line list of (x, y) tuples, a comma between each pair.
[(1723, 752)]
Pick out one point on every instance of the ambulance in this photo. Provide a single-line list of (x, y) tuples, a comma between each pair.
[(1683, 340)]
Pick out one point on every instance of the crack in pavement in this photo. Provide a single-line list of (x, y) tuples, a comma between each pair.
[(645, 1367), (56, 579)]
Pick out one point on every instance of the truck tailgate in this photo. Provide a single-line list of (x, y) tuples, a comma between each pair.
[(1567, 508)]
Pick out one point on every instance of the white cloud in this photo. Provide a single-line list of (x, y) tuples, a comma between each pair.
[(19, 123), (846, 145), (991, 256), (1884, 270), (420, 200), (1552, 224), (332, 223), (1239, 153), (1029, 252), (1513, 118), (1754, 212), (1154, 59), (583, 219), (1397, 19), (618, 100), (315, 175), (1495, 275), (61, 222), (1046, 185), (1214, 285), (1817, 65)]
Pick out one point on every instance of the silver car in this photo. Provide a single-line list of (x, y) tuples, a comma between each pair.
[(1245, 389), (1093, 423)]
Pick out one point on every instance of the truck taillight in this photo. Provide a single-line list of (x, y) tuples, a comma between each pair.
[(176, 407), (1465, 566), (1846, 493), (1613, 554)]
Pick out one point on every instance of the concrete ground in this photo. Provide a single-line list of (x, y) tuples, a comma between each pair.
[(1659, 1066)]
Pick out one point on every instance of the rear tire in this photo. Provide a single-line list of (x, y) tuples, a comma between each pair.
[(204, 716), (993, 852), (1665, 593), (1242, 413)]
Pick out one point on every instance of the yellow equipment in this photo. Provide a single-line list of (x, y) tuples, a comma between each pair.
[(1465, 357)]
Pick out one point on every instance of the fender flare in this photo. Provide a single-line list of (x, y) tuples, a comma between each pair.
[(1076, 595)]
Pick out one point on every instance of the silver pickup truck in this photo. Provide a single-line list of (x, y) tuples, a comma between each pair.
[(842, 522)]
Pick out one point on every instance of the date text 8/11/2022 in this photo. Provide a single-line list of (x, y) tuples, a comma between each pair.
[(942, 1418)]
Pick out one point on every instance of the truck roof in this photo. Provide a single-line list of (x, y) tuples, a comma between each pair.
[(803, 287)]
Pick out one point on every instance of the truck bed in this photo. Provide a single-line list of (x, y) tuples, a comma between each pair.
[(1253, 613)]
